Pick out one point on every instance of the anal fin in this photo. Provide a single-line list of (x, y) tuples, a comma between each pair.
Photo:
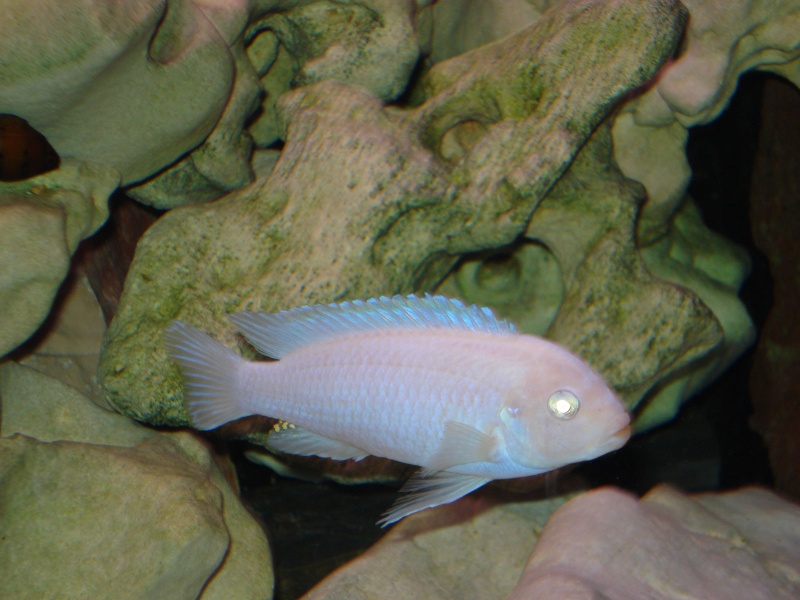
[(425, 491), (294, 440)]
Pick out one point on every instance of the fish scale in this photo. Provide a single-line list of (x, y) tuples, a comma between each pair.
[(360, 390)]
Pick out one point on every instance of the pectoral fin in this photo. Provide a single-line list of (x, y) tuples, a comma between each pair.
[(461, 444), (425, 491), (295, 440)]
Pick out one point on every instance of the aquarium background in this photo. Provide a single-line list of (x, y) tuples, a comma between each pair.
[(185, 160)]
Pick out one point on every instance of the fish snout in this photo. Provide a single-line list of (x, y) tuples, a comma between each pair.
[(618, 434), (623, 434), (621, 427)]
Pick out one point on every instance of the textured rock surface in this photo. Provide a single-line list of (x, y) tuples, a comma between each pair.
[(590, 278), (121, 91), (42, 220), (468, 549), (69, 532), (157, 94), (606, 543), (457, 26), (68, 350), (91, 89), (525, 283), (741, 545), (119, 510), (371, 44), (370, 185), (273, 47), (723, 41), (696, 258)]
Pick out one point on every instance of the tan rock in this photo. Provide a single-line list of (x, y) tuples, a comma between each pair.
[(128, 85), (458, 26), (467, 549), (605, 543), (42, 220), (527, 282), (723, 41), (86, 520), (579, 270), (121, 510), (740, 545)]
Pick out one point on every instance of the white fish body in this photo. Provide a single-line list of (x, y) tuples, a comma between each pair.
[(425, 381)]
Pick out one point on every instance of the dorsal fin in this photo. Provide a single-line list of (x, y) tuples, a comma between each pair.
[(278, 334)]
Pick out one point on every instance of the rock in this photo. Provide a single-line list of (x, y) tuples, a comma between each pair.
[(527, 282), (605, 543), (42, 220), (127, 86), (222, 162), (108, 495), (47, 410), (582, 281), (106, 258), (696, 258), (471, 548), (722, 43), (458, 26), (367, 183), (69, 532), (66, 349)]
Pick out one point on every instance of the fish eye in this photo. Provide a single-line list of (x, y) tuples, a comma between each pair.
[(563, 404)]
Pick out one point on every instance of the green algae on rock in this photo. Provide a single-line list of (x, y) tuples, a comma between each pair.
[(602, 290), (360, 204)]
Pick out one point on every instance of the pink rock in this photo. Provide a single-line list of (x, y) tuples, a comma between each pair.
[(607, 543)]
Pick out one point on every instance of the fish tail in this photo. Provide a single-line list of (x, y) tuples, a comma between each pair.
[(210, 372)]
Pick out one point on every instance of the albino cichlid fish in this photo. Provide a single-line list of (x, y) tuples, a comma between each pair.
[(425, 381)]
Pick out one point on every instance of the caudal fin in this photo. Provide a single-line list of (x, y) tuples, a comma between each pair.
[(210, 372)]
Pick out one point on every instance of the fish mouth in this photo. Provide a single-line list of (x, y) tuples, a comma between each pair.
[(614, 442), (618, 440), (623, 434)]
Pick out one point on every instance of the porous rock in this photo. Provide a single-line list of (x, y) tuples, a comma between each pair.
[(527, 281), (588, 275), (723, 41), (363, 202)]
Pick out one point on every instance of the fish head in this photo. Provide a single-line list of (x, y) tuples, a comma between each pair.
[(562, 412)]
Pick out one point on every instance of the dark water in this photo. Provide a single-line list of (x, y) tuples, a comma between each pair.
[(313, 528)]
